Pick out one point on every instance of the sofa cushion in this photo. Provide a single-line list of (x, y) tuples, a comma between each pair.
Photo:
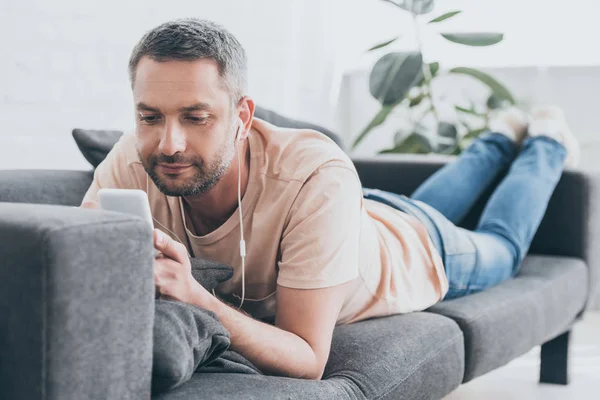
[(410, 356), (508, 320)]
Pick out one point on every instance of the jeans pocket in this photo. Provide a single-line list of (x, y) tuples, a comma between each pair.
[(460, 259), (459, 271)]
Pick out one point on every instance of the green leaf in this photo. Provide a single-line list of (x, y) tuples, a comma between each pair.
[(417, 100), (497, 88), (444, 17), (401, 134), (414, 143), (376, 121), (413, 6), (447, 138), (468, 111), (434, 67), (474, 39), (383, 44), (457, 151), (494, 102), (453, 150), (447, 130), (393, 76), (474, 133)]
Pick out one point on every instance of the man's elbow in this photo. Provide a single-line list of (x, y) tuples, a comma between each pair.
[(315, 373), (319, 375), (90, 205)]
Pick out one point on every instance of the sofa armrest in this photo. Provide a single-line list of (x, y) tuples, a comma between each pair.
[(63, 187), (571, 226), (76, 304)]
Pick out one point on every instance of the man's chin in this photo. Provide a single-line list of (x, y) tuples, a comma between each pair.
[(174, 185)]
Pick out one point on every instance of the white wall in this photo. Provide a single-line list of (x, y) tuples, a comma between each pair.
[(64, 65)]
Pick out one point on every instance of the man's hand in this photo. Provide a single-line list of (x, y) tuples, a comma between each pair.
[(173, 271)]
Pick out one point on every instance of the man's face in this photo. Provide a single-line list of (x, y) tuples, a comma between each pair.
[(184, 124)]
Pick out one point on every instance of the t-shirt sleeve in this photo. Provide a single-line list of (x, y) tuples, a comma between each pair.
[(115, 171), (320, 242)]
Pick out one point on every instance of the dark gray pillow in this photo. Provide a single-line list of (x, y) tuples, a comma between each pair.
[(209, 273), (95, 144), (230, 362), (185, 338), (284, 122), (188, 339)]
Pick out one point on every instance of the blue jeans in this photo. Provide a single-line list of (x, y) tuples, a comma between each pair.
[(493, 252)]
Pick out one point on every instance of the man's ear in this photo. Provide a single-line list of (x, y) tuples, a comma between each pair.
[(245, 111)]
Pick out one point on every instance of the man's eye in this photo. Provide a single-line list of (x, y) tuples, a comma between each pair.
[(149, 119), (196, 120)]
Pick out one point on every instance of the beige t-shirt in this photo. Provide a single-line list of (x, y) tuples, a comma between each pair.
[(306, 226)]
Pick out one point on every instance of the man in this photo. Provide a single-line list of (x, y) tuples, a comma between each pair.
[(320, 251)]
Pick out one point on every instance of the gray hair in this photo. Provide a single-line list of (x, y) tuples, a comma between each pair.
[(193, 39)]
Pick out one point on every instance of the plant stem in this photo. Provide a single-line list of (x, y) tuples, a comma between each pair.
[(427, 77)]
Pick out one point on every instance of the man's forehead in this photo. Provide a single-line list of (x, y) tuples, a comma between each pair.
[(172, 86), (177, 76), (177, 84)]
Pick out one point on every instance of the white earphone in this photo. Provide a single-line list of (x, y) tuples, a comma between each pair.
[(238, 138)]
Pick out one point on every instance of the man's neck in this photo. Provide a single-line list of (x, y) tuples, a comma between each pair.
[(207, 212)]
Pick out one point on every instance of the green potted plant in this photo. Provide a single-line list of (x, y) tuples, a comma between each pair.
[(403, 80)]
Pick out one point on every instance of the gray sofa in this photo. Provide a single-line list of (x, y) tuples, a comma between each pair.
[(76, 303)]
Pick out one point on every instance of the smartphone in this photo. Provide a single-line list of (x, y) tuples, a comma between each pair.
[(128, 201)]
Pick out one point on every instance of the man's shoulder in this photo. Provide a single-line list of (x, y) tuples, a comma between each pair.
[(121, 168), (296, 154), (125, 150)]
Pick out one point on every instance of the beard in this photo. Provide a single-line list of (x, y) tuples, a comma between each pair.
[(204, 176)]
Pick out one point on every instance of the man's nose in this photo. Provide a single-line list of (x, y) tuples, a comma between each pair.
[(172, 141)]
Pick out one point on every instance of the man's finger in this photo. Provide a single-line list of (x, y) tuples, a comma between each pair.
[(157, 280), (168, 247)]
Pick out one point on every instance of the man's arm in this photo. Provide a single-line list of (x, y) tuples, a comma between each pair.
[(319, 256), (298, 346)]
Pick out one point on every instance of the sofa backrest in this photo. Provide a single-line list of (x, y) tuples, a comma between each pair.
[(63, 187), (285, 122)]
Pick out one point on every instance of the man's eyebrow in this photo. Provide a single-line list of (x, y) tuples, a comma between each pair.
[(193, 107), (142, 106), (196, 107)]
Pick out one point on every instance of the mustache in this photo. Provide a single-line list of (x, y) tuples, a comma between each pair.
[(174, 159)]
